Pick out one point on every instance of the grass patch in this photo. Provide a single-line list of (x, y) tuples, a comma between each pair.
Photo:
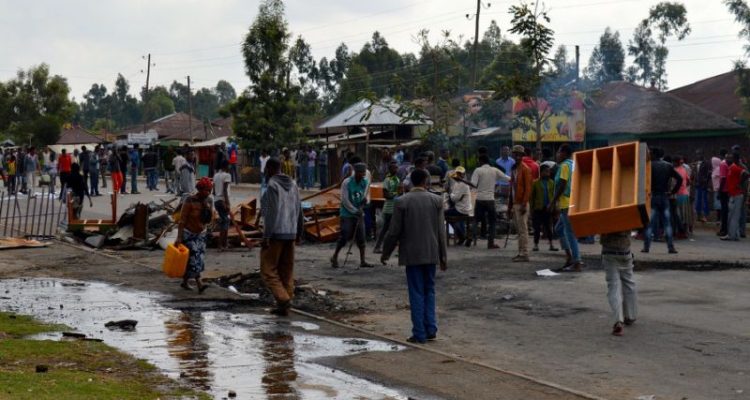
[(17, 326), (78, 370)]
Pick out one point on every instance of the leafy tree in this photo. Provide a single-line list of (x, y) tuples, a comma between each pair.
[(37, 106), (178, 92), (531, 83), (492, 37), (668, 20), (563, 69), (205, 104), (607, 60), (741, 12), (269, 113), (126, 111), (159, 104), (225, 92)]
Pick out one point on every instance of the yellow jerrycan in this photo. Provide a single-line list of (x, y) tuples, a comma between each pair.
[(175, 260)]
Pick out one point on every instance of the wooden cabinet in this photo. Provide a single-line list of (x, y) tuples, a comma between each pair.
[(611, 189)]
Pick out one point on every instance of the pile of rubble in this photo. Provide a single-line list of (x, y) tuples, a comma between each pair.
[(152, 225)]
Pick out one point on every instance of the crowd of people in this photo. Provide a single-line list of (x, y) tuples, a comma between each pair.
[(421, 193)]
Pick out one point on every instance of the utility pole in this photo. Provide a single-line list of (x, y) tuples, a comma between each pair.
[(145, 93), (190, 111), (578, 63), (476, 46)]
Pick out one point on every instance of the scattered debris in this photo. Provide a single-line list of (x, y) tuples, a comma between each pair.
[(41, 369), (546, 272), (17, 243), (73, 335), (125, 325)]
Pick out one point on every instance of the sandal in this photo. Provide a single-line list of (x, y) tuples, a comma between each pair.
[(366, 265), (203, 288), (186, 286), (334, 263)]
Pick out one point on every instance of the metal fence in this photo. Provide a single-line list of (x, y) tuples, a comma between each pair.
[(34, 215)]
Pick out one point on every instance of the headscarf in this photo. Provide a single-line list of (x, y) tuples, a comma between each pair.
[(204, 184)]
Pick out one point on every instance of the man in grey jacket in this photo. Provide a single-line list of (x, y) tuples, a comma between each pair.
[(418, 227), (283, 223)]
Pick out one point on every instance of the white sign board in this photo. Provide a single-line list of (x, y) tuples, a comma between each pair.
[(142, 138)]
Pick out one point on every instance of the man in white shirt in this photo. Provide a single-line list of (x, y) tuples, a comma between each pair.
[(484, 179), (177, 162), (221, 202), (459, 199)]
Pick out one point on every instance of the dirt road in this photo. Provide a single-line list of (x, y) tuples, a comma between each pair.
[(691, 341)]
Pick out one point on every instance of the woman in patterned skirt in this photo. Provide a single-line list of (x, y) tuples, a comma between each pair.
[(195, 214)]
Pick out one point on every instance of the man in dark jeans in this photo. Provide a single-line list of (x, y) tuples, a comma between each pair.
[(661, 173), (484, 179)]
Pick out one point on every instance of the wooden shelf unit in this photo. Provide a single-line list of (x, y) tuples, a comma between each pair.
[(611, 189)]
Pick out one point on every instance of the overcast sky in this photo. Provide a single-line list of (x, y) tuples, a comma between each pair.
[(91, 41)]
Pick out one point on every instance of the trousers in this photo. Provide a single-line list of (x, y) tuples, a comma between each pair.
[(485, 211), (735, 212), (568, 240), (660, 216), (421, 282), (522, 226), (621, 289), (277, 269)]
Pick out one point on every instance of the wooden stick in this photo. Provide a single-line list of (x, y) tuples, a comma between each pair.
[(324, 191)]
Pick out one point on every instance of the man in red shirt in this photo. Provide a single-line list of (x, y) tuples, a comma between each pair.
[(64, 163), (735, 177), (529, 162)]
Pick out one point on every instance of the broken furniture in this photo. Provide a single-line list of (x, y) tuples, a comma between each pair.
[(92, 225)]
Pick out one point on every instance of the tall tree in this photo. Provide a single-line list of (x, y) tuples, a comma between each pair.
[(531, 84), (37, 106), (269, 113), (607, 61), (159, 104), (225, 92), (741, 12), (667, 19)]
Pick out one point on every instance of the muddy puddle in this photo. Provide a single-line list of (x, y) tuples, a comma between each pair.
[(217, 351)]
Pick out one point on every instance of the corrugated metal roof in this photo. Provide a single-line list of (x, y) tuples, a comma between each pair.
[(383, 113)]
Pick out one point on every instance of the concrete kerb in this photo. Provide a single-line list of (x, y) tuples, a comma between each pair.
[(455, 357)]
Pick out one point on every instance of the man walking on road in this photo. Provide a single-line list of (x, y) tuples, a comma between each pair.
[(661, 173), (568, 240), (621, 291), (283, 221), (418, 228), (484, 179), (521, 190)]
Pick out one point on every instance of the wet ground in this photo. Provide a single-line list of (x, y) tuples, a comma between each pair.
[(204, 344)]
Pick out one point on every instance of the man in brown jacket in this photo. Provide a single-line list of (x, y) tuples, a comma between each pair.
[(418, 227), (521, 182)]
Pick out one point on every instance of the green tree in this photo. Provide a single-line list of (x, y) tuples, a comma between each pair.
[(607, 61), (269, 113), (37, 106), (178, 92), (159, 104), (741, 12), (225, 92), (532, 84), (126, 110), (668, 19)]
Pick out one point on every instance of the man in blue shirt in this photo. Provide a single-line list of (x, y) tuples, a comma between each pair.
[(506, 163), (135, 163)]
